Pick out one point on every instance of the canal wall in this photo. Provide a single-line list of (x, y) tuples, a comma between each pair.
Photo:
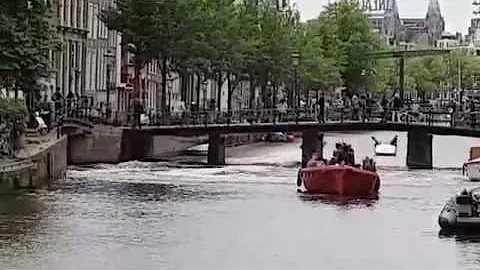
[(40, 161), (102, 145)]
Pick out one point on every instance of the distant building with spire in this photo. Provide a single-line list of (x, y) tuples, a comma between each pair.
[(473, 35), (385, 18)]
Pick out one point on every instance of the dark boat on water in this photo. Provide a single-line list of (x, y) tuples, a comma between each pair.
[(462, 212)]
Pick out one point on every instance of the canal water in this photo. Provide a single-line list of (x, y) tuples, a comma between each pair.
[(243, 216)]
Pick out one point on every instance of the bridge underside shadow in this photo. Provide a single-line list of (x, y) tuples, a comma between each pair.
[(136, 145)]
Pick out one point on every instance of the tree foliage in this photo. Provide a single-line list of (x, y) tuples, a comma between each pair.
[(336, 47), (254, 40), (27, 39), (431, 74)]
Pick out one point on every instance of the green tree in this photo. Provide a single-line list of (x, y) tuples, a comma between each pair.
[(351, 41), (231, 40), (160, 30), (463, 64), (27, 39), (320, 68), (276, 37)]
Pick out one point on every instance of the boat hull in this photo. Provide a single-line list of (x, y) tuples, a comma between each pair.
[(463, 225), (449, 221), (472, 171), (340, 180), (385, 150)]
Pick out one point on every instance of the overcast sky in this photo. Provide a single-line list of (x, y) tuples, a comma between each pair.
[(457, 13)]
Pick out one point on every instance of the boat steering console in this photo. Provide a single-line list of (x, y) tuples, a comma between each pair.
[(468, 203)]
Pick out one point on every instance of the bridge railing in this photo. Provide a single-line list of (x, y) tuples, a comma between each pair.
[(329, 114)]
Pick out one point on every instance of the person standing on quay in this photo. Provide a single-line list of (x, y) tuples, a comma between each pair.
[(396, 106), (321, 108), (473, 116), (137, 107)]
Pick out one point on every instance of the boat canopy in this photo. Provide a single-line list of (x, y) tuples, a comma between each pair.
[(473, 161), (474, 153)]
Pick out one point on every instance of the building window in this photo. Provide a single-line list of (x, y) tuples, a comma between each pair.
[(66, 12), (95, 22), (72, 13), (90, 20), (94, 71), (78, 11)]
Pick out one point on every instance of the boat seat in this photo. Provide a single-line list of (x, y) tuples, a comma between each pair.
[(464, 200), (464, 210), (465, 205)]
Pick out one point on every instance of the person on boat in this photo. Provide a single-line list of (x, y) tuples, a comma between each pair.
[(313, 161), (343, 154), (337, 153), (350, 156), (346, 154), (316, 160), (367, 164), (332, 161)]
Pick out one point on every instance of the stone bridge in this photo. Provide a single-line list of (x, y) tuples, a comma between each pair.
[(140, 143), (137, 142)]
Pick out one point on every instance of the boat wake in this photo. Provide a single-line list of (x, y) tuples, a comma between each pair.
[(293, 164), (343, 201)]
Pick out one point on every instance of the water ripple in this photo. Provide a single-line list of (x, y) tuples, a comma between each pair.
[(247, 215)]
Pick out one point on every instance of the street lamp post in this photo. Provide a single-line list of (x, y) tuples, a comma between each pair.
[(295, 58), (108, 55), (270, 92), (204, 86), (459, 80), (169, 88)]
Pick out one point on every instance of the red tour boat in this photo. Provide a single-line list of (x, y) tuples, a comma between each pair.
[(339, 176)]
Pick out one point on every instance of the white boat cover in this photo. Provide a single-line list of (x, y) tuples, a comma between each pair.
[(385, 149), (199, 148)]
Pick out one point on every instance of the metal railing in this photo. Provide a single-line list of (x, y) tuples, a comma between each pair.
[(329, 115), (16, 165)]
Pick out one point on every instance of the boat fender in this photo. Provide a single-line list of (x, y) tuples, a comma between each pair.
[(299, 178), (375, 141), (464, 168), (377, 185), (394, 141)]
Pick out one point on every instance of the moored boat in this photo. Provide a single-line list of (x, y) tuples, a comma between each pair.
[(471, 168), (276, 137), (385, 149), (462, 212), (339, 176)]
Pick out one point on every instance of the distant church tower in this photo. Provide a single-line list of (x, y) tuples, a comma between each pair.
[(434, 22), (391, 22)]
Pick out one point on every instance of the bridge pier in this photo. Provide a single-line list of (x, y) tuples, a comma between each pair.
[(216, 149), (135, 145), (312, 141), (419, 149)]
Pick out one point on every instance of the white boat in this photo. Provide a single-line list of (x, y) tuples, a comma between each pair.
[(385, 149), (462, 212), (197, 150), (471, 168)]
